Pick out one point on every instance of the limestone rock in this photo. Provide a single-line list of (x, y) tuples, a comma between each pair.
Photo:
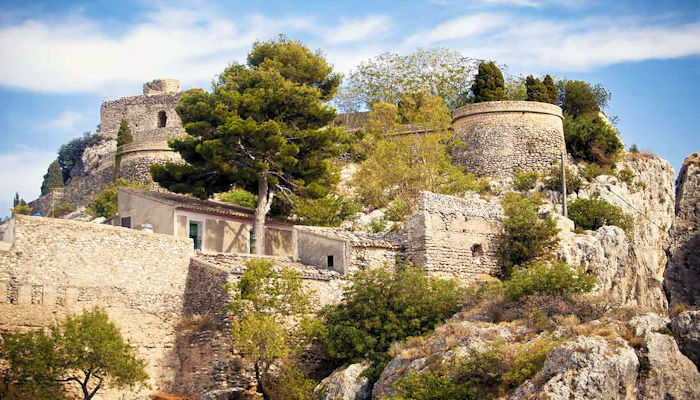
[(686, 329), (96, 157), (682, 276), (585, 368), (670, 375), (345, 383), (647, 323), (161, 86)]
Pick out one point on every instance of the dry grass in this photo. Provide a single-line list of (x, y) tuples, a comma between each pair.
[(640, 155), (197, 323)]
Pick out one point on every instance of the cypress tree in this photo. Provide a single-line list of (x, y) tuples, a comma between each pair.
[(53, 178), (536, 91), (488, 84), (552, 90), (16, 200), (124, 135)]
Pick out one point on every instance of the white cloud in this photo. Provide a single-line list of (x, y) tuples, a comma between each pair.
[(458, 28), (354, 30), (22, 171), (67, 121)]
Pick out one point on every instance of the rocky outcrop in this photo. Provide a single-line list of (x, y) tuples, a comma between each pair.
[(345, 383), (686, 329), (682, 277)]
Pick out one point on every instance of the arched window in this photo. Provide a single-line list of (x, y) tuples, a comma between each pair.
[(162, 119)]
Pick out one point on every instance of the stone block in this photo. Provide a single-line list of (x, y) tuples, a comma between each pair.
[(71, 296), (4, 293), (24, 294), (49, 295)]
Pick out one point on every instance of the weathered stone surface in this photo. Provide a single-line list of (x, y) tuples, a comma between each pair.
[(671, 375), (585, 368), (682, 276), (686, 329), (649, 322), (161, 86), (345, 383), (501, 135)]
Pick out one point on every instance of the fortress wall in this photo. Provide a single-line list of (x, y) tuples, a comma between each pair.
[(142, 114), (58, 267), (501, 135), (454, 237)]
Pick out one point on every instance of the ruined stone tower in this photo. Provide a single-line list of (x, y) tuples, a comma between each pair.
[(501, 135)]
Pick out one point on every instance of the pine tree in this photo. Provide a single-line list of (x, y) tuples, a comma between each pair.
[(552, 90), (124, 135), (263, 128), (536, 90), (53, 178), (489, 84)]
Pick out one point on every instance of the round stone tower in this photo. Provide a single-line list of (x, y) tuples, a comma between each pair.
[(499, 136)]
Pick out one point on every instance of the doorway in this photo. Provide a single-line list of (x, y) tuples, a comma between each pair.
[(196, 234)]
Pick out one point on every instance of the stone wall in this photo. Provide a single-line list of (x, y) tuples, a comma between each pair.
[(454, 237), (58, 267), (501, 135)]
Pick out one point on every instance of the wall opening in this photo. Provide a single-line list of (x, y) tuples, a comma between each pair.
[(162, 119), (477, 250), (330, 261), (126, 222)]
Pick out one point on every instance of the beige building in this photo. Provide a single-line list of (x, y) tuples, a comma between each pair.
[(213, 226)]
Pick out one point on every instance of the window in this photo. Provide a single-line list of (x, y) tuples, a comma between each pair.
[(477, 250), (330, 261), (162, 119), (126, 222)]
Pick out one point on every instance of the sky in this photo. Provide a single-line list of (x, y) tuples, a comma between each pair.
[(60, 59)]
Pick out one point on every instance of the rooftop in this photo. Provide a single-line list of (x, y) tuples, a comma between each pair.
[(359, 239)]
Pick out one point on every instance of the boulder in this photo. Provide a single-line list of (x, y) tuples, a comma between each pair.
[(686, 329), (345, 383), (647, 323), (669, 374)]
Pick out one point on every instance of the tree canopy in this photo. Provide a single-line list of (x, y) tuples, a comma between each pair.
[(53, 178), (262, 128), (71, 153), (536, 90), (124, 135), (579, 98), (87, 350), (388, 76), (488, 84)]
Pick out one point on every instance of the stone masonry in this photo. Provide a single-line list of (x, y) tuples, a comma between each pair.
[(499, 136)]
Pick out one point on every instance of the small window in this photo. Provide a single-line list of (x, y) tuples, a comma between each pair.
[(126, 222), (477, 250), (162, 119), (330, 261)]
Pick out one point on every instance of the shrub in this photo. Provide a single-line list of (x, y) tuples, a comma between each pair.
[(627, 176), (289, 383), (70, 154), (634, 148), (590, 138), (526, 236), (241, 197), (124, 135), (330, 210), (488, 84), (528, 361), (53, 178), (524, 180), (105, 203), (63, 209), (595, 212), (428, 385), (580, 98), (553, 179), (542, 277), (385, 305), (593, 170)]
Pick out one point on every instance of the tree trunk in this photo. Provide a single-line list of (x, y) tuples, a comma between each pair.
[(263, 206), (258, 377)]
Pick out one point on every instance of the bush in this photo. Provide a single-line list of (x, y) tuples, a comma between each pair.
[(240, 197), (526, 236), (544, 278), (627, 176), (70, 154), (524, 180), (553, 179), (124, 135), (330, 210), (383, 306), (592, 170), (590, 138), (105, 203), (593, 213)]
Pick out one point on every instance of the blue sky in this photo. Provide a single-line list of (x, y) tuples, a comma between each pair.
[(61, 59)]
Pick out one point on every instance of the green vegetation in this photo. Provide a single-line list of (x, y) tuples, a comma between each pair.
[(263, 299), (541, 277), (515, 88), (241, 197), (488, 84), (331, 210), (536, 90), (105, 203), (524, 181), (53, 178), (264, 128), (596, 212), (580, 98), (387, 77), (19, 206), (124, 135), (87, 350), (526, 236), (383, 306), (590, 138), (634, 148), (70, 154), (553, 179), (552, 89)]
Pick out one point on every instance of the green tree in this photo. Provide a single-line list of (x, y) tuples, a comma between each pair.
[(87, 350), (594, 213), (400, 166), (16, 200), (580, 98), (124, 135), (488, 84), (71, 153), (540, 277), (552, 89), (22, 209), (590, 138), (240, 197), (536, 90), (263, 128), (385, 305), (53, 178), (263, 299), (105, 203), (526, 236), (331, 210), (387, 77), (515, 88)]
